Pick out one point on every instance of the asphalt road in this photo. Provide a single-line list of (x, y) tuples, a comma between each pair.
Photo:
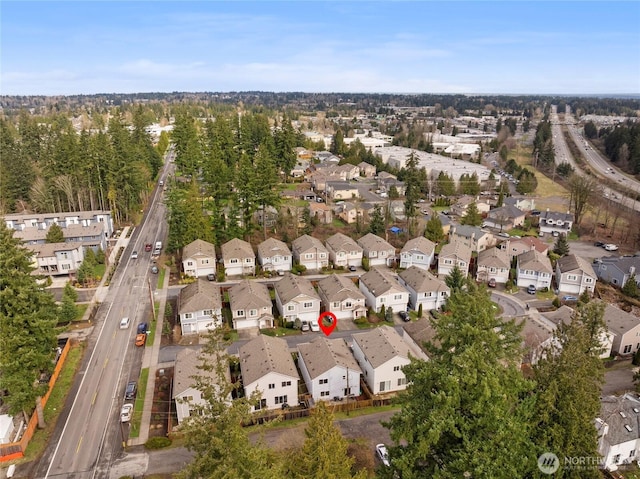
[(89, 435)]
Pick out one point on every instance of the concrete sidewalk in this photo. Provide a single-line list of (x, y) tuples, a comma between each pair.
[(123, 241), (150, 360)]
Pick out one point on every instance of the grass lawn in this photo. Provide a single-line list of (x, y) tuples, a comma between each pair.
[(81, 309), (136, 419), (55, 403), (523, 233), (280, 332), (99, 270), (338, 223), (152, 327), (546, 187), (161, 274)]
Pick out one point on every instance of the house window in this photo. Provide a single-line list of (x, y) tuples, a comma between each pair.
[(627, 349), (281, 399), (262, 405), (396, 368), (272, 386), (323, 381), (385, 386), (66, 266), (571, 277), (324, 393), (204, 261), (348, 304), (253, 312), (189, 263), (402, 381), (233, 261), (588, 280), (286, 383), (291, 307), (187, 398), (248, 260), (632, 453), (397, 297), (64, 255), (616, 459), (419, 257), (443, 293), (447, 261), (382, 300), (308, 256), (208, 312), (307, 305), (188, 315), (322, 255), (240, 312)]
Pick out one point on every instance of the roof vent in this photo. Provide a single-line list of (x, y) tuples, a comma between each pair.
[(623, 414), (627, 427)]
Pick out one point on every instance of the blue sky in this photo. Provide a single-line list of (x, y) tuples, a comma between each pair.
[(542, 47)]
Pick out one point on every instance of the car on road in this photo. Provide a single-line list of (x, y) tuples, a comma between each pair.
[(154, 269), (502, 234), (315, 327), (383, 454), (125, 413), (404, 316), (611, 247), (599, 244), (141, 339), (531, 289), (130, 391), (124, 323), (134, 255), (492, 283), (569, 298), (142, 327)]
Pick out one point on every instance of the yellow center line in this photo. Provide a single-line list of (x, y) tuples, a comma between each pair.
[(79, 443), (95, 395), (106, 360)]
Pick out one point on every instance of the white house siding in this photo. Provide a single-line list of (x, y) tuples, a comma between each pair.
[(381, 258), (627, 451), (332, 383), (575, 283), (260, 318), (185, 402), (398, 300), (539, 279), (296, 309), (428, 299), (199, 267), (347, 309), (627, 343), (276, 263), (390, 373), (196, 322), (420, 260), (287, 393)]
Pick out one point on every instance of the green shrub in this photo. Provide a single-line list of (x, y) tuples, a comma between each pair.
[(556, 302), (157, 443)]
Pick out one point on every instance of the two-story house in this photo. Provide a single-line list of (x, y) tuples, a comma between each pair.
[(274, 255), (342, 297), (54, 259), (574, 275), (199, 307), (341, 190), (505, 218), (618, 431), (343, 251), (250, 305), (310, 253), (516, 246), (268, 369), (238, 258), (381, 288), (533, 268), (424, 288), (625, 328), (493, 263), (473, 237), (555, 223), (296, 299), (378, 251), (617, 270), (329, 369), (199, 259), (381, 354), (417, 252), (454, 254)]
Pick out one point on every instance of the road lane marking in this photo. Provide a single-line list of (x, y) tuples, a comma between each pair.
[(95, 395), (79, 443), (106, 360)]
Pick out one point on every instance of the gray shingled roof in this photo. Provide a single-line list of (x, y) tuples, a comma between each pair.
[(419, 245), (494, 257), (264, 355), (466, 231), (371, 242), (322, 354), (71, 231), (422, 331), (456, 248), (306, 243), (198, 296), (421, 280), (340, 242), (249, 295), (535, 261), (381, 345), (292, 286), (339, 288), (186, 367), (380, 282), (273, 247), (571, 262), (618, 321), (199, 247), (531, 241), (237, 248), (610, 412), (46, 250), (507, 211)]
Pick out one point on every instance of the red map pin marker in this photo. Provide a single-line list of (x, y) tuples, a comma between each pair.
[(327, 322)]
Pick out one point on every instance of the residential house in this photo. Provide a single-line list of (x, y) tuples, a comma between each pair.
[(473, 237), (238, 258), (199, 259), (188, 398), (367, 170), (505, 218), (417, 252), (625, 328), (553, 222), (250, 305), (459, 208), (274, 255), (340, 190), (523, 203), (533, 268), (378, 251), (417, 334), (342, 297), (381, 288), (310, 253), (199, 307), (268, 368), (381, 354), (42, 221), (344, 251), (454, 254), (564, 314), (618, 269), (493, 263), (516, 246), (348, 212), (296, 299), (618, 427), (53, 259), (329, 369), (91, 236), (322, 212), (574, 275), (424, 289), (536, 339)]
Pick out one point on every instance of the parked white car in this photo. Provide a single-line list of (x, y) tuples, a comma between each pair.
[(383, 454), (611, 247), (125, 413)]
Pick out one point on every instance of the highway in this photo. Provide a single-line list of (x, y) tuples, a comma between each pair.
[(89, 435)]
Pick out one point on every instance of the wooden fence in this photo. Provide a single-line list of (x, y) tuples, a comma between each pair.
[(15, 450)]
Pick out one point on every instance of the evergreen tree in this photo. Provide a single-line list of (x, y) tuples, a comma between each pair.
[(571, 373), (376, 221), (466, 411), (472, 216), (266, 177), (561, 248), (433, 230), (456, 280), (54, 234), (27, 326), (630, 288)]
